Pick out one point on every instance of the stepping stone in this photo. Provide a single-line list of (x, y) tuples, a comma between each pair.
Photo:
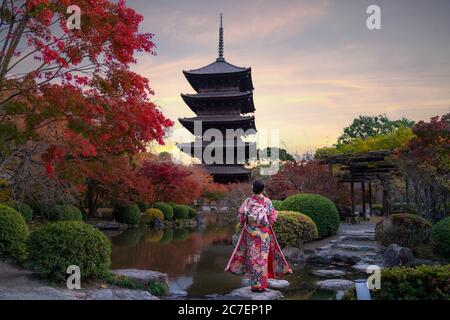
[(278, 284), (335, 284), (294, 254), (120, 294), (356, 247), (144, 277), (246, 293), (329, 273), (40, 293), (363, 267)]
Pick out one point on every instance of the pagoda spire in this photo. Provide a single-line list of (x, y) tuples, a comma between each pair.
[(221, 58)]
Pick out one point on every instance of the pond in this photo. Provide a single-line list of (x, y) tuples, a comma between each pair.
[(194, 260)]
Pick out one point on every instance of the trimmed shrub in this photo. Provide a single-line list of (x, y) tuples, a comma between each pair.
[(277, 204), (419, 283), (65, 212), (294, 228), (25, 210), (13, 234), (440, 238), (192, 213), (404, 229), (143, 206), (320, 209), (127, 214), (180, 212), (166, 209), (58, 245), (153, 213)]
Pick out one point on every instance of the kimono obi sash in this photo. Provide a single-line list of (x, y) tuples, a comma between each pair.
[(256, 213)]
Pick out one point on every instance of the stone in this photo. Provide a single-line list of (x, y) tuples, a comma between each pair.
[(309, 251), (120, 294), (356, 247), (40, 293), (247, 294), (335, 284), (294, 254), (396, 255), (346, 258), (278, 284), (329, 273), (144, 277), (320, 258), (108, 225)]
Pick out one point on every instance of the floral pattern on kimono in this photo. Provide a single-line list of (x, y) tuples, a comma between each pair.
[(257, 253)]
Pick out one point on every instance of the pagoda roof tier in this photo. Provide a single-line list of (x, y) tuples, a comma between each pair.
[(220, 122), (220, 66), (237, 169), (221, 70), (213, 100), (191, 148)]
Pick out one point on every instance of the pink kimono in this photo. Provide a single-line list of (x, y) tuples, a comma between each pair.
[(257, 253)]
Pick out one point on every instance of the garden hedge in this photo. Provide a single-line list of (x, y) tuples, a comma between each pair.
[(440, 238), (294, 228), (166, 209), (320, 209), (56, 246), (65, 212), (419, 283), (180, 211), (277, 204), (127, 214), (192, 213), (13, 235), (25, 210), (404, 229)]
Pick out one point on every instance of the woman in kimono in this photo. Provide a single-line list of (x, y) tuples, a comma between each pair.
[(257, 253)]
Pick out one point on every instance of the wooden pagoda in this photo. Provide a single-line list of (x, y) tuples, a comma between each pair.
[(223, 101)]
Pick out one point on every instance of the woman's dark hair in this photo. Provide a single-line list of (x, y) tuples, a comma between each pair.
[(258, 186)]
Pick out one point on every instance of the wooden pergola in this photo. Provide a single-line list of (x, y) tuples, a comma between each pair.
[(366, 169)]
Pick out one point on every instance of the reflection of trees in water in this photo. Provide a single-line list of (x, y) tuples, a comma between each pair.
[(167, 255)]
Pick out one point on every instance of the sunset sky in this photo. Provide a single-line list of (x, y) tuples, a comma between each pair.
[(315, 65)]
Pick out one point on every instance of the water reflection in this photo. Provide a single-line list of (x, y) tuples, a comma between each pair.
[(194, 260)]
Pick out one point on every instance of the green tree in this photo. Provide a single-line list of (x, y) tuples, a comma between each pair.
[(365, 127), (283, 154)]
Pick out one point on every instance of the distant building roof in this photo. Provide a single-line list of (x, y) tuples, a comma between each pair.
[(218, 67)]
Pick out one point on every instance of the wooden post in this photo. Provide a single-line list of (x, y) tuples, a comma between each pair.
[(407, 194), (385, 209), (363, 189), (370, 197), (352, 192)]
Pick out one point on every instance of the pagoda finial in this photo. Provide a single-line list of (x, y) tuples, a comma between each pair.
[(221, 58)]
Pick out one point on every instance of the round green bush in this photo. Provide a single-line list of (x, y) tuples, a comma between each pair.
[(166, 209), (25, 210), (294, 228), (440, 238), (404, 229), (13, 234), (277, 204), (192, 213), (320, 209), (180, 212), (127, 214), (65, 212), (56, 246)]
